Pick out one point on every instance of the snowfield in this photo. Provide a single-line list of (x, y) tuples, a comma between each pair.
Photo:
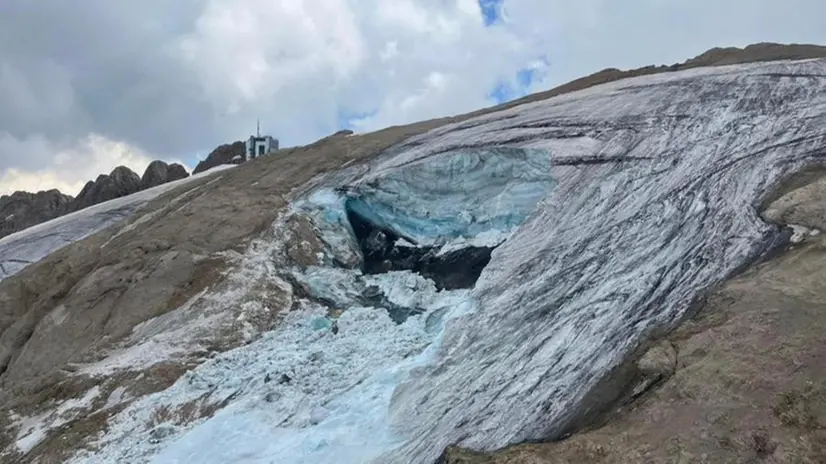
[(649, 198)]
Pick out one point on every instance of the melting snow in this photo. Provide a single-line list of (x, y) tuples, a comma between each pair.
[(33, 430), (118, 396)]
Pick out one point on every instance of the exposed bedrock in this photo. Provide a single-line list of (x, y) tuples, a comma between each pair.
[(384, 250)]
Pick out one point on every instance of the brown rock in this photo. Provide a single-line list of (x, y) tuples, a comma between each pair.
[(656, 365), (158, 173), (120, 182), (22, 210), (224, 154)]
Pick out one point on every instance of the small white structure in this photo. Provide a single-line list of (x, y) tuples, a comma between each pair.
[(258, 145)]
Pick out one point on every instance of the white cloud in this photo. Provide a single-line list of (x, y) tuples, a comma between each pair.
[(302, 63), (584, 36), (70, 167), (247, 51)]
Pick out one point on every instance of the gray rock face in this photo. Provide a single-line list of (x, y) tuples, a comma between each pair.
[(222, 155), (158, 172), (120, 182), (23, 209), (176, 172)]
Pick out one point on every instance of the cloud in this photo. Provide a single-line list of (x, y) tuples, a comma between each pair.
[(68, 169), (585, 36), (170, 80), (302, 64)]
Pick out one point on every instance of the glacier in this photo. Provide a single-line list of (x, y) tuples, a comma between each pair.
[(457, 195), (608, 210)]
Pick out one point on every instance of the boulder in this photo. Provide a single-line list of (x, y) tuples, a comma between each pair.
[(158, 173)]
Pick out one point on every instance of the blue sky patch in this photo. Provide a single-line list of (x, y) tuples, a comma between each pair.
[(345, 119), (502, 92), (491, 11), (518, 86)]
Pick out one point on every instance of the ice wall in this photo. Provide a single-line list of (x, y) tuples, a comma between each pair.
[(459, 194), (454, 199)]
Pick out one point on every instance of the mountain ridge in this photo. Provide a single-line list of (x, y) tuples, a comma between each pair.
[(21, 210)]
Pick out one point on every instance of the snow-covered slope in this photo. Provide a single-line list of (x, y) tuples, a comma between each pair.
[(28, 246), (649, 198)]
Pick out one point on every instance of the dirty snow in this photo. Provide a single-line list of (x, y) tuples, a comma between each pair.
[(33, 430)]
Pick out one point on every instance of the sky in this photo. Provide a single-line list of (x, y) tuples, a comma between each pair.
[(87, 85)]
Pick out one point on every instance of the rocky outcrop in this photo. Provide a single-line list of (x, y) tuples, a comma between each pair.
[(176, 172), (120, 182), (158, 172), (21, 210), (230, 153)]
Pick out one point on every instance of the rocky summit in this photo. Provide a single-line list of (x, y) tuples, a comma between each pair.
[(21, 210), (120, 182), (224, 154), (623, 269), (159, 173)]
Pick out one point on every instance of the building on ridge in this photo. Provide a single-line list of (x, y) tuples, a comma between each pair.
[(259, 145)]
